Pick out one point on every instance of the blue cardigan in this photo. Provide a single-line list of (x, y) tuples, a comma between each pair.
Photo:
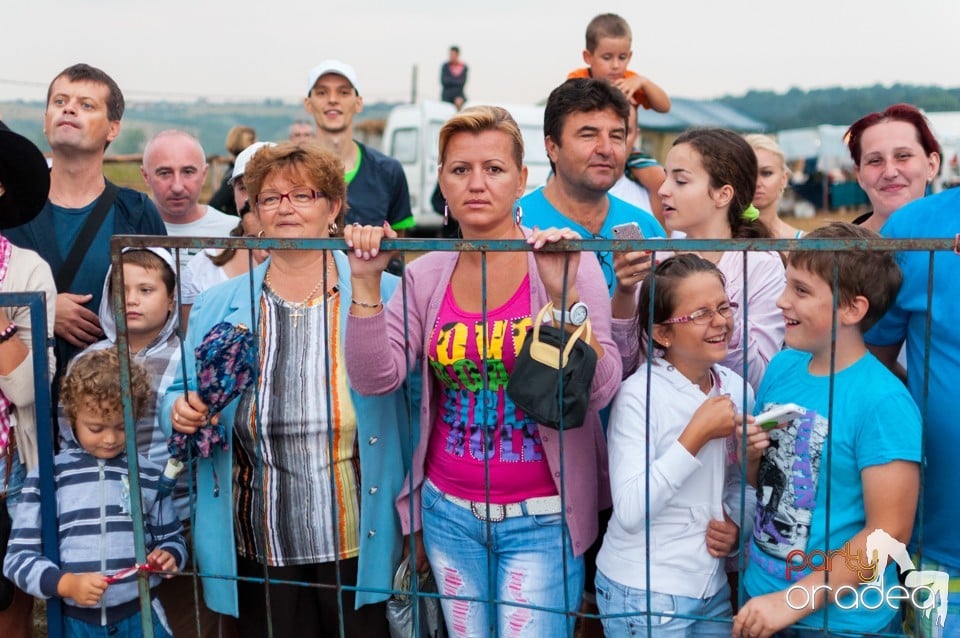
[(382, 429)]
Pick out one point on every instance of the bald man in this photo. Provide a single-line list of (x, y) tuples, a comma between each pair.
[(175, 167)]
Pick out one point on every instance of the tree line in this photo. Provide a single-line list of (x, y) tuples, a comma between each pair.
[(842, 106)]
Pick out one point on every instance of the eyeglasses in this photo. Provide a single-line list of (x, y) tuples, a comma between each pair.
[(705, 315), (269, 201)]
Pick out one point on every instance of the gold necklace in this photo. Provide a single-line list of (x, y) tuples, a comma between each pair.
[(299, 307)]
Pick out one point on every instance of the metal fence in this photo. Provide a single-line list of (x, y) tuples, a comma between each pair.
[(409, 248)]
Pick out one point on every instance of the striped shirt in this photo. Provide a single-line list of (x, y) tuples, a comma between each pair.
[(297, 479)]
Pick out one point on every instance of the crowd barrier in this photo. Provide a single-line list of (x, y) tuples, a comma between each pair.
[(409, 249)]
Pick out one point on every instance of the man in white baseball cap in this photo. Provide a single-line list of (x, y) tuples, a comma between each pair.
[(376, 186)]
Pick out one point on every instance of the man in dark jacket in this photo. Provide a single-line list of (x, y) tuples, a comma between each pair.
[(84, 107)]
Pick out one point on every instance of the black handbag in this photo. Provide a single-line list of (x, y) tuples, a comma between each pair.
[(547, 357)]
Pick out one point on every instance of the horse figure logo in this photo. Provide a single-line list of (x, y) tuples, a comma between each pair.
[(880, 546)]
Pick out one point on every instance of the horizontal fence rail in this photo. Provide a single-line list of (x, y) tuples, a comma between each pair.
[(408, 247)]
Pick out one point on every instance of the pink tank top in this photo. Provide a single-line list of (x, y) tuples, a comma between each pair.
[(477, 423)]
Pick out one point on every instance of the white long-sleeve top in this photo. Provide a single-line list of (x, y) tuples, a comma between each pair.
[(763, 280), (685, 491)]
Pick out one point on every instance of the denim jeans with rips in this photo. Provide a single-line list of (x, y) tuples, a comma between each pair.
[(511, 579)]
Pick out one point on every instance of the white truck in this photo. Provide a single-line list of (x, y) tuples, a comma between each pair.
[(411, 138)]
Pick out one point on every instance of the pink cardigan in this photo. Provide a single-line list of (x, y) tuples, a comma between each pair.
[(376, 355)]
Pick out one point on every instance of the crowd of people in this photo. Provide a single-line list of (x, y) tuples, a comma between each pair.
[(747, 412)]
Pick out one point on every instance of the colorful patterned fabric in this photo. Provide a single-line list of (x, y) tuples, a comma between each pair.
[(296, 454), (5, 405), (225, 363)]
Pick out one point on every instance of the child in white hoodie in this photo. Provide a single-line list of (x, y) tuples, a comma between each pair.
[(673, 463)]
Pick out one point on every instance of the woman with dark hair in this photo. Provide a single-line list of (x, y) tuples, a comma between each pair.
[(708, 193), (307, 487), (896, 156), (453, 77)]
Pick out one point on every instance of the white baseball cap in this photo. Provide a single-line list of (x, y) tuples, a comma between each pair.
[(241, 162), (333, 66)]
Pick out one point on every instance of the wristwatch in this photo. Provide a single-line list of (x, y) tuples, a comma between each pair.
[(576, 316)]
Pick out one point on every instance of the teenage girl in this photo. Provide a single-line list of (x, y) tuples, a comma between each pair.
[(673, 462), (708, 193)]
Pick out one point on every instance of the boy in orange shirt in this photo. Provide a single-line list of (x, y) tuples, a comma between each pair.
[(607, 55)]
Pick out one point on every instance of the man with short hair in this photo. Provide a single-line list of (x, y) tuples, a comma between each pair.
[(82, 117), (300, 131), (175, 167), (376, 186), (585, 133)]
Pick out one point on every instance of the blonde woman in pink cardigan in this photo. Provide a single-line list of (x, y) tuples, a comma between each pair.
[(486, 478)]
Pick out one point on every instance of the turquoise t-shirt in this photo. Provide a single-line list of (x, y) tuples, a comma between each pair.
[(937, 216), (537, 211), (874, 421)]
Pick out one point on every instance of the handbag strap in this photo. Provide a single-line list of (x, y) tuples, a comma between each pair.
[(71, 264), (574, 336)]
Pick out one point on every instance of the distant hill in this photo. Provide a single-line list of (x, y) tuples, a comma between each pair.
[(211, 121), (208, 121), (801, 109)]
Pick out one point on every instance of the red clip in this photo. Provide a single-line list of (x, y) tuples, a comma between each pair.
[(130, 571)]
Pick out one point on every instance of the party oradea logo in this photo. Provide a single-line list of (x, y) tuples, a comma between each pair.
[(926, 590)]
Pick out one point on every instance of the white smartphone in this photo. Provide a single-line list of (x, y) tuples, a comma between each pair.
[(629, 230), (779, 416)]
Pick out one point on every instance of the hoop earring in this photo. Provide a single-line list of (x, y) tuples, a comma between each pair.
[(446, 214), (260, 235), (518, 215), (333, 228)]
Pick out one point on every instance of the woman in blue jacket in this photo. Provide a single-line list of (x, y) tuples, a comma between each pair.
[(306, 490)]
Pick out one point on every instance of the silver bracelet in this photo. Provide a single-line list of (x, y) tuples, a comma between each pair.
[(364, 304)]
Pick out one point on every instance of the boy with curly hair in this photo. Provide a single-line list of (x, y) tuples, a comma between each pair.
[(95, 526)]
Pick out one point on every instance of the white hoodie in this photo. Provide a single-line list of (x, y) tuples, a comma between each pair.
[(161, 359), (686, 492)]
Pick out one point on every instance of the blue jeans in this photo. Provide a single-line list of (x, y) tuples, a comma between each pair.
[(128, 627), (521, 563), (632, 617), (18, 474)]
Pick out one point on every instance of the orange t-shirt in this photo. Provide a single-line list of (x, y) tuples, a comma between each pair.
[(639, 96)]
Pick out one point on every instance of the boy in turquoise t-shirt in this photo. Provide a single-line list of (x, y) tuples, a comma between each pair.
[(842, 470)]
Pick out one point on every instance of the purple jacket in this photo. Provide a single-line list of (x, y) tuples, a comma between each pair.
[(376, 354)]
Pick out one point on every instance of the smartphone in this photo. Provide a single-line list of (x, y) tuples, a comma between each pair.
[(779, 416), (630, 230)]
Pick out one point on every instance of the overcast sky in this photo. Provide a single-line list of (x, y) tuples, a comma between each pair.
[(517, 50)]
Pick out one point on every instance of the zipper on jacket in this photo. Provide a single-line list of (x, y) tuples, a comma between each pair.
[(103, 535)]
